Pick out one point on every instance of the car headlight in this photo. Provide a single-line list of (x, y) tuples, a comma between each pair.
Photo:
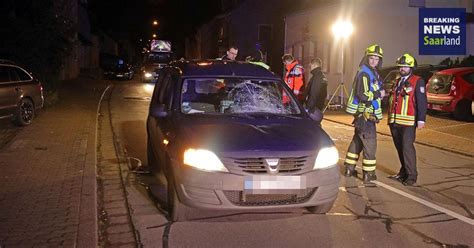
[(148, 75), (203, 160), (327, 157)]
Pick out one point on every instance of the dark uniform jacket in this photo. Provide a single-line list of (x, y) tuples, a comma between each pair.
[(316, 90)]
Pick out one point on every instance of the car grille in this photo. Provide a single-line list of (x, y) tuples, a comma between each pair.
[(257, 165), (248, 200)]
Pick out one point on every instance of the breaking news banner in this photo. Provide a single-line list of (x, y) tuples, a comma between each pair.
[(442, 31)]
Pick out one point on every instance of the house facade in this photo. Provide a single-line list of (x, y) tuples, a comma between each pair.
[(392, 24)]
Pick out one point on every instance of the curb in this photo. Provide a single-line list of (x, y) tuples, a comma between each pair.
[(416, 141)]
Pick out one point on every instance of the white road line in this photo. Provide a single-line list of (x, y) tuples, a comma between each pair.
[(426, 203)]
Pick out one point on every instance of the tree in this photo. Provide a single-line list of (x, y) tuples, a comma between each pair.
[(38, 35)]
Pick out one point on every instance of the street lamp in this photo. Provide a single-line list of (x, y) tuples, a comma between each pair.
[(155, 23), (154, 35), (341, 31)]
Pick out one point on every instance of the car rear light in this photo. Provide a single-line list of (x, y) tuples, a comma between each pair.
[(453, 88)]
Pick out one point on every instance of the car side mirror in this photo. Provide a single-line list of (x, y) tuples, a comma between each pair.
[(316, 116), (158, 110)]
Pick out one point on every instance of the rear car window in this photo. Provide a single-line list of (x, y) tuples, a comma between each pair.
[(235, 95), (22, 74), (440, 84), (469, 78)]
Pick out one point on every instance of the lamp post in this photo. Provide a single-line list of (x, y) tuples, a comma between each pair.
[(342, 30), (155, 23)]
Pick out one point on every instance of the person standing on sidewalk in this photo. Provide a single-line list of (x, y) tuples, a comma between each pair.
[(365, 104), (407, 112), (315, 91), (294, 75)]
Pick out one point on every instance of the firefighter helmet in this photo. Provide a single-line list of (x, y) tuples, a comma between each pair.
[(374, 50), (406, 60)]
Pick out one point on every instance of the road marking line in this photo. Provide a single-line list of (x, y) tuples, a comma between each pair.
[(426, 203)]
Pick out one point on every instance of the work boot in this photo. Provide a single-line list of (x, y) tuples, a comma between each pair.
[(350, 171), (369, 176)]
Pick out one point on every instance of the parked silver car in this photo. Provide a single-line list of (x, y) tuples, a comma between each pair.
[(21, 94)]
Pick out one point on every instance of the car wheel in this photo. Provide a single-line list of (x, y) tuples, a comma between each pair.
[(177, 211), (25, 112), (463, 110), (321, 209)]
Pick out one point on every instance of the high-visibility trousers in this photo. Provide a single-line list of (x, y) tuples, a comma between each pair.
[(363, 141)]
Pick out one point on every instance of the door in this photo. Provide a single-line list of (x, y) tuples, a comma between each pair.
[(8, 91)]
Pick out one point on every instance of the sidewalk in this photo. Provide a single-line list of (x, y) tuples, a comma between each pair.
[(440, 132), (48, 179)]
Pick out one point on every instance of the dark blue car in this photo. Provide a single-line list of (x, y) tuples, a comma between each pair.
[(231, 135)]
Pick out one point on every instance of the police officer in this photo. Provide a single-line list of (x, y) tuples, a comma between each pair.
[(365, 104), (231, 53), (407, 111)]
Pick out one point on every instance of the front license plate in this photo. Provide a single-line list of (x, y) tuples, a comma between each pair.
[(436, 107), (264, 184)]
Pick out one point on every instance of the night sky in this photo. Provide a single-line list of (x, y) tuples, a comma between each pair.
[(133, 19)]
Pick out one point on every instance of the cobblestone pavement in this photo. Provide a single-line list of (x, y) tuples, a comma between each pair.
[(48, 179), (441, 131)]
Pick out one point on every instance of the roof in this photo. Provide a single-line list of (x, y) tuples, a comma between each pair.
[(457, 70), (223, 68)]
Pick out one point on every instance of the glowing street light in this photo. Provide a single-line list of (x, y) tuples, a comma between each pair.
[(155, 23), (154, 35), (341, 30)]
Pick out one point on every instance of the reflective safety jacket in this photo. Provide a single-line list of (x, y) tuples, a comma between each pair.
[(365, 93), (294, 77), (407, 102)]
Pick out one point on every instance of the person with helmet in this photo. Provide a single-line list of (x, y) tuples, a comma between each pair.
[(257, 59), (294, 76), (365, 105), (407, 111)]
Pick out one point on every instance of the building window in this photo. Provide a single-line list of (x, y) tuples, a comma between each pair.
[(264, 37), (326, 57)]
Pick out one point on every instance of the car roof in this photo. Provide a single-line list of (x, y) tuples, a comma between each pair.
[(456, 70), (221, 68), (8, 62)]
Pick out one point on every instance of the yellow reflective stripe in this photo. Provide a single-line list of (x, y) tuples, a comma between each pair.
[(366, 85), (352, 155), (405, 105), (370, 95), (368, 168), (375, 86), (350, 161), (369, 161)]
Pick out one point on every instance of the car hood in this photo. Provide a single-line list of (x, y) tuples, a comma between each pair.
[(252, 134)]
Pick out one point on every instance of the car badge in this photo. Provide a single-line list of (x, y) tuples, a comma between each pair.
[(272, 164)]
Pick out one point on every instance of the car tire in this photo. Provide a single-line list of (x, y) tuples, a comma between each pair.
[(462, 111), (176, 210), (25, 112), (321, 209)]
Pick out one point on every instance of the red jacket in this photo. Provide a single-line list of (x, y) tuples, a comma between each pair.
[(294, 77)]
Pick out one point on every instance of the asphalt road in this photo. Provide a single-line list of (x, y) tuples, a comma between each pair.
[(438, 212)]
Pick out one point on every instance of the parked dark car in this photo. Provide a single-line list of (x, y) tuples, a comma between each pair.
[(231, 135), (21, 94), (452, 90), (123, 71), (424, 71)]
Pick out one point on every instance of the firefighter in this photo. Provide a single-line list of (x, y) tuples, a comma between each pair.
[(407, 112), (365, 104), (294, 75)]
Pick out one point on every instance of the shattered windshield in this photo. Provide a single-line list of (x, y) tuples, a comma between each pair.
[(236, 95)]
